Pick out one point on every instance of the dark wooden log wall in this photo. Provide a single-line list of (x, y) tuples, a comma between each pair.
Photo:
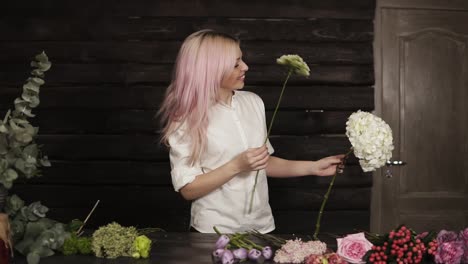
[(112, 61)]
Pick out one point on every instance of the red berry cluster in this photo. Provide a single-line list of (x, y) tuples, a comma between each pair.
[(401, 248), (379, 255), (432, 247)]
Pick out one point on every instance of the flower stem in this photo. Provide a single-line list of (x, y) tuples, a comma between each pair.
[(268, 134), (325, 199), (216, 230)]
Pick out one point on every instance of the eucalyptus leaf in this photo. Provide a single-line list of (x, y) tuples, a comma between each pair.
[(35, 101), (42, 251), (11, 174), (31, 86), (3, 144), (6, 183), (17, 228), (33, 258), (19, 164), (3, 165), (34, 229), (13, 205), (42, 57), (23, 137), (31, 150), (37, 81), (14, 126), (37, 209), (3, 128), (23, 245), (32, 99), (20, 121), (27, 112), (30, 129), (44, 162), (37, 73)]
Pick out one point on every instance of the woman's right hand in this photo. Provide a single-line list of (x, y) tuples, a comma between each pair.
[(252, 159)]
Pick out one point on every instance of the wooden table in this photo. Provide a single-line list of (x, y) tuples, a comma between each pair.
[(168, 248)]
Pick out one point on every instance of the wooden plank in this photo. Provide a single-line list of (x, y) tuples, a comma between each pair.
[(255, 52), (147, 148), (353, 176), (161, 74), (301, 198), (333, 222), (78, 121), (158, 173), (101, 28), (142, 196), (118, 96), (177, 220), (138, 196), (105, 172), (362, 9)]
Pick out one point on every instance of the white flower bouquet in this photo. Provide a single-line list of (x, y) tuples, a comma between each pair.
[(372, 142)]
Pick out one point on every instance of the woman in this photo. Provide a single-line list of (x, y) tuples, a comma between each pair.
[(216, 133)]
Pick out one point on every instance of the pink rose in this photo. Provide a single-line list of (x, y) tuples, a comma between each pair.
[(353, 247)]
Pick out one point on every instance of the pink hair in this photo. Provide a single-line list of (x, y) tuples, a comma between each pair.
[(204, 59)]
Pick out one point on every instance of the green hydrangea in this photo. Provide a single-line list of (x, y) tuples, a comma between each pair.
[(295, 64), (74, 245), (114, 240), (141, 247)]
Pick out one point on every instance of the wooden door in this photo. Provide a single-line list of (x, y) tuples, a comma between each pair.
[(421, 91)]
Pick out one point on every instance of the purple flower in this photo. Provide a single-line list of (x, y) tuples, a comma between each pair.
[(464, 238), (240, 253), (267, 252), (217, 254), (255, 254), (228, 257), (449, 252), (464, 235), (446, 236), (223, 240)]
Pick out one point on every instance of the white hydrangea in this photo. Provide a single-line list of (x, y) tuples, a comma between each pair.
[(371, 139)]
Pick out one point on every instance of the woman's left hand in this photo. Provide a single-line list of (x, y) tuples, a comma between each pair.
[(329, 165), (5, 233)]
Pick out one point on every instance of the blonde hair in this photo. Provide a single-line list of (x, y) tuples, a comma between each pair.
[(204, 58)]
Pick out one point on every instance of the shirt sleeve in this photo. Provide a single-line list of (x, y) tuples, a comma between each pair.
[(182, 172)]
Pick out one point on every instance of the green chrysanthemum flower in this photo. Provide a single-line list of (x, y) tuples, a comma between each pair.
[(294, 63), (141, 247)]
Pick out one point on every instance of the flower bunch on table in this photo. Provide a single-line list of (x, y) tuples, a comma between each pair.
[(404, 245), (114, 240), (239, 247)]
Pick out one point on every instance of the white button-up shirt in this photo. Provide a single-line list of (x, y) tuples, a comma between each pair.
[(232, 130)]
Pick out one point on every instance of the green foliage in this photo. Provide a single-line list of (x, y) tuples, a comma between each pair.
[(74, 245), (20, 156), (74, 225), (34, 235), (141, 247)]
